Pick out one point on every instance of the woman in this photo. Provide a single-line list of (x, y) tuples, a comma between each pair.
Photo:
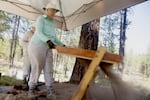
[(41, 56), (25, 42)]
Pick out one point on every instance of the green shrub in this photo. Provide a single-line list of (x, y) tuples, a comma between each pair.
[(9, 81)]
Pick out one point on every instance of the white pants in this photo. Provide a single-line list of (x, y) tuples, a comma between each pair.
[(26, 66), (41, 58)]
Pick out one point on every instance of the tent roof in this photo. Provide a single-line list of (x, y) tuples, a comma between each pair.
[(73, 12)]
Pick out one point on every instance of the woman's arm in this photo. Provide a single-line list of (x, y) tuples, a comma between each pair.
[(40, 28)]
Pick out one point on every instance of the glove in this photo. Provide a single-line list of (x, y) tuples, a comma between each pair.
[(51, 45), (64, 45)]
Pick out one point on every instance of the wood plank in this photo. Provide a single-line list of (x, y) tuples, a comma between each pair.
[(79, 93), (88, 54)]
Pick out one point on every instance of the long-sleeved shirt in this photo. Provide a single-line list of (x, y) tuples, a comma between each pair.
[(45, 30)]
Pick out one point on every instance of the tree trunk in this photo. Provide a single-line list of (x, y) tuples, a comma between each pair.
[(123, 25), (16, 38), (88, 40), (14, 41)]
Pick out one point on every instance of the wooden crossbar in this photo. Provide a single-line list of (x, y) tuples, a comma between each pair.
[(89, 54)]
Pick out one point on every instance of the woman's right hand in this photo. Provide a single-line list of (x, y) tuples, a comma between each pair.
[(51, 45)]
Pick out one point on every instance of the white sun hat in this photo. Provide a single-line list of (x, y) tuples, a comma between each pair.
[(52, 5)]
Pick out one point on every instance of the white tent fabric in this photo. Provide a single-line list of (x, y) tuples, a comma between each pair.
[(73, 12)]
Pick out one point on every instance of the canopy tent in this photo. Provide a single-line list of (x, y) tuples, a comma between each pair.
[(73, 12)]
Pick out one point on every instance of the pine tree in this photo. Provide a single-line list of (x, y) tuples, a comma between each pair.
[(88, 40), (3, 23)]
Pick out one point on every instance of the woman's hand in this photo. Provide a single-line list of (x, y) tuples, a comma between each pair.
[(51, 45)]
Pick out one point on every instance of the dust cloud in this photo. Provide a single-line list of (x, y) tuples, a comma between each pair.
[(119, 90)]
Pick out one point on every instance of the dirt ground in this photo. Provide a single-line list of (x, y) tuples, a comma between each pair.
[(118, 90), (64, 91)]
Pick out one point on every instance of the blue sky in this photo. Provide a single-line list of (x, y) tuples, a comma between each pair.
[(138, 33)]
